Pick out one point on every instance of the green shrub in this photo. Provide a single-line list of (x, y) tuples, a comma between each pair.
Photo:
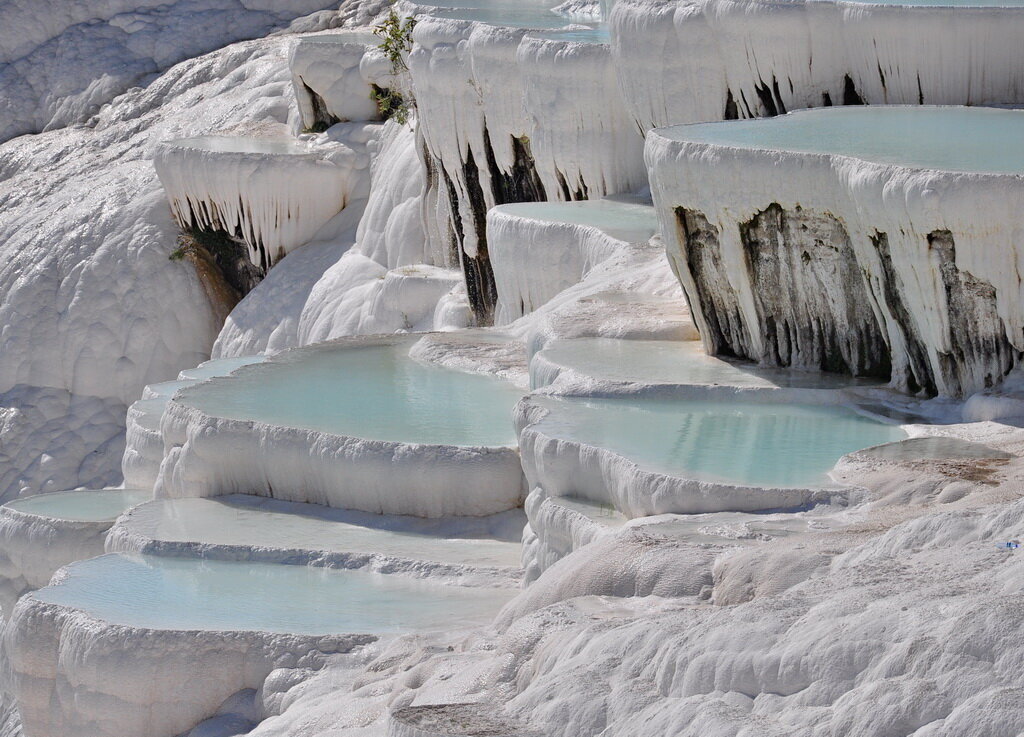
[(395, 36)]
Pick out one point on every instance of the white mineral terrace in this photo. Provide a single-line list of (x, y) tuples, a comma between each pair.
[(217, 627), (332, 79), (539, 249), (646, 456), (741, 458), (275, 194), (916, 206), (469, 551), (357, 424), (688, 62), (144, 447), (39, 534)]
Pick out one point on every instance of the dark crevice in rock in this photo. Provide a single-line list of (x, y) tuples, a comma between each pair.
[(920, 92), (812, 303), (746, 105), (850, 94), (778, 96), (732, 112), (520, 183), (767, 101), (227, 254), (919, 377), (977, 336), (723, 328), (826, 99), (476, 269), (322, 117)]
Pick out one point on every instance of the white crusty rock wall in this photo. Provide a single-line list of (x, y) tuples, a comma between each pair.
[(509, 117), (687, 61), (276, 199)]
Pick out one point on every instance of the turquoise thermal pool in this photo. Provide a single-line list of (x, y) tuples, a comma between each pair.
[(969, 139), (81, 506), (250, 521), (770, 445), (182, 594), (368, 391), (669, 362), (218, 367), (244, 145), (628, 221)]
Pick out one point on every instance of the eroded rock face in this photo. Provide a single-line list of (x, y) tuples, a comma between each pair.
[(831, 263), (505, 118), (812, 305), (815, 309)]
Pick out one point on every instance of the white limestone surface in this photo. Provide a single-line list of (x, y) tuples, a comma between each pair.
[(509, 117), (686, 62), (540, 249), (378, 276), (329, 87), (61, 62), (93, 308), (144, 446), (928, 226), (43, 533)]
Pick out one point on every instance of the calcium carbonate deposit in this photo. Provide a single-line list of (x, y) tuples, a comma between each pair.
[(508, 368)]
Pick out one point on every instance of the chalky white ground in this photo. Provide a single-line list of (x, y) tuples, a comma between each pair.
[(729, 632)]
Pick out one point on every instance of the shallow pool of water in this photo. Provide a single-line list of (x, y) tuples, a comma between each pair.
[(783, 445), (372, 391), (173, 593), (253, 521), (219, 367), (632, 222), (672, 362), (970, 139), (82, 506)]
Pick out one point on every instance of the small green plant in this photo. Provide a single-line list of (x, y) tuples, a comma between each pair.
[(318, 127), (395, 34)]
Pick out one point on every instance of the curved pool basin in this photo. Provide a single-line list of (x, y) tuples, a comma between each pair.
[(181, 594)]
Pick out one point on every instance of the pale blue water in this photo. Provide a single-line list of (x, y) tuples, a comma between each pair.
[(177, 593), (243, 521), (82, 506), (673, 362), (734, 442), (374, 392), (971, 139), (632, 222), (244, 145), (219, 367), (167, 389)]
